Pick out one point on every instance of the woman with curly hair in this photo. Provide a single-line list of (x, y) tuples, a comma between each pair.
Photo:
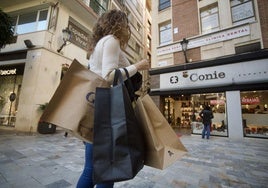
[(110, 36)]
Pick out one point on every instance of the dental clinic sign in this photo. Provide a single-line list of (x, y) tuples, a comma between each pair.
[(223, 75), (207, 39)]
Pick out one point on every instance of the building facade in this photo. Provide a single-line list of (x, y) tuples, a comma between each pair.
[(224, 65), (31, 67)]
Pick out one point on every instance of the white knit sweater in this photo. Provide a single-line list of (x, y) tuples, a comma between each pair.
[(108, 56)]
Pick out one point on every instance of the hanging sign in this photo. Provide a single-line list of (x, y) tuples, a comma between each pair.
[(79, 36)]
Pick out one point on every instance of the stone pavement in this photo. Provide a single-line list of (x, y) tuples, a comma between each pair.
[(53, 161)]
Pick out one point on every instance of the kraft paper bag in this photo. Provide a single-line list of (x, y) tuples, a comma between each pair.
[(72, 105), (162, 145)]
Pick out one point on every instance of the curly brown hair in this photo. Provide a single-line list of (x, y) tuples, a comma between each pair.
[(113, 22)]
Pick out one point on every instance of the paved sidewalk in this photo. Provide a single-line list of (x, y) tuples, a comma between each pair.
[(53, 161)]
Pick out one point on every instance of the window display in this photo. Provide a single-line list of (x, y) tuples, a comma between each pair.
[(254, 106), (182, 112), (10, 87), (216, 101)]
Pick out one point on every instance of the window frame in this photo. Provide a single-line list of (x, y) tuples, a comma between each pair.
[(210, 15), (163, 4), (242, 5), (164, 32), (36, 23)]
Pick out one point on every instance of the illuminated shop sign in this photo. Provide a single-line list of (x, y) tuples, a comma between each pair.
[(223, 75), (8, 72), (252, 100)]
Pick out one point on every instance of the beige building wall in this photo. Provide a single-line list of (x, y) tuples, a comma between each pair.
[(159, 17), (43, 64)]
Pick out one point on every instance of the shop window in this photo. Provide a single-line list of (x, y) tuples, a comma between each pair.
[(31, 21), (210, 18), (163, 4), (217, 103), (165, 34), (254, 105), (182, 112), (242, 11), (9, 96)]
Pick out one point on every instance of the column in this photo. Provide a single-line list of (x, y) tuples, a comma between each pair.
[(234, 115)]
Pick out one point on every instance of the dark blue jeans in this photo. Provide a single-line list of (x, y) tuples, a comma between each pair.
[(206, 131), (85, 180)]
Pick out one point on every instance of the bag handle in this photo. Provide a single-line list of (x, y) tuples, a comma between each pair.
[(131, 88), (118, 77)]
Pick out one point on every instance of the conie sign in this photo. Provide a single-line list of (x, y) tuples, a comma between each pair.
[(237, 73)]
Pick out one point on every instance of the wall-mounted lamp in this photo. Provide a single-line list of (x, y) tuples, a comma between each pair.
[(184, 44), (28, 43), (66, 36)]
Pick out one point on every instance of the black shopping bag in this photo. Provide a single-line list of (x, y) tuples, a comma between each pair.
[(118, 143)]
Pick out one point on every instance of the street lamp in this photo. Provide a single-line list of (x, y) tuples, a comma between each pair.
[(184, 44), (66, 36)]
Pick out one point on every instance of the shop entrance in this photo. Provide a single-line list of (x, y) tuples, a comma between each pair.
[(178, 112)]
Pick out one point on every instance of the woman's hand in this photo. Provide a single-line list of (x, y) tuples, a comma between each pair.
[(142, 65)]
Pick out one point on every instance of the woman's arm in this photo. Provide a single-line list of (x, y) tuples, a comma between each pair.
[(113, 58)]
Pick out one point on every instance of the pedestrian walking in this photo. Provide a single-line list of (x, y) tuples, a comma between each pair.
[(110, 36), (206, 115)]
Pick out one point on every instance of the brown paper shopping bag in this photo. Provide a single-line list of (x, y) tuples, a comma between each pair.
[(72, 105), (163, 146)]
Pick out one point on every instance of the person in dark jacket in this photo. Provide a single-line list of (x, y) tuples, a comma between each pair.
[(206, 115)]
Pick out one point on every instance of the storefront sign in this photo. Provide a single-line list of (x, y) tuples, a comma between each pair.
[(210, 76), (8, 72), (207, 39), (79, 36), (231, 74)]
